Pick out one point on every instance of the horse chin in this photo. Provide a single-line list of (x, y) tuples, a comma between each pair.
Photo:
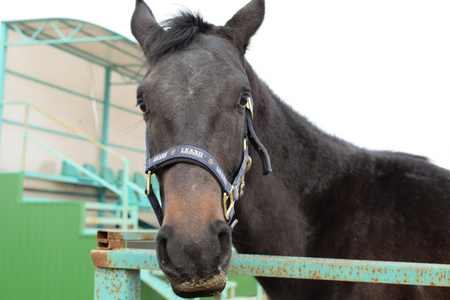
[(201, 288)]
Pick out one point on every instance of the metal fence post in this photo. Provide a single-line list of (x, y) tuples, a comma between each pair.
[(115, 284)]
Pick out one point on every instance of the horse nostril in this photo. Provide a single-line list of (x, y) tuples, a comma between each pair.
[(161, 246), (162, 251), (224, 236)]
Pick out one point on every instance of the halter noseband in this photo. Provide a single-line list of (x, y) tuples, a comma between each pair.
[(232, 191)]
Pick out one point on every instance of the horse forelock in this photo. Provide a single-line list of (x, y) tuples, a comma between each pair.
[(179, 32)]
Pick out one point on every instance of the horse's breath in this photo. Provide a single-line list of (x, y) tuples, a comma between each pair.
[(325, 198)]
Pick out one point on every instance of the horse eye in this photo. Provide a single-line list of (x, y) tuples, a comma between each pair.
[(244, 100), (142, 106)]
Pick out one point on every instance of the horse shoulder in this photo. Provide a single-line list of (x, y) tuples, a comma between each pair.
[(382, 205)]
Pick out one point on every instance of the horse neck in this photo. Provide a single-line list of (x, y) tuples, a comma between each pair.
[(304, 160), (297, 147)]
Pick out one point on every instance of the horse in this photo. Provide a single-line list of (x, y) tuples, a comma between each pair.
[(211, 123)]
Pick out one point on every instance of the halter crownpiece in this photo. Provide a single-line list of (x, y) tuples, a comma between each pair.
[(232, 191)]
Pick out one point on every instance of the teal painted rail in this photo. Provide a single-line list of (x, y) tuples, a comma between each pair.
[(108, 262), (296, 267)]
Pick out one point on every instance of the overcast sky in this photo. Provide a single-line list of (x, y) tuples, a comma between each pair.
[(375, 73)]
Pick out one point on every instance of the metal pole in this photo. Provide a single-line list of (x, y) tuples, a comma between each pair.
[(25, 135), (105, 132), (3, 40), (125, 197), (105, 124)]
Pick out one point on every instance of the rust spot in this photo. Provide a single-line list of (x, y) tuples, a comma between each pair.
[(100, 259), (316, 275)]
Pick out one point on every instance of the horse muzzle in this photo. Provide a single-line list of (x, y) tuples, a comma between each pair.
[(195, 266)]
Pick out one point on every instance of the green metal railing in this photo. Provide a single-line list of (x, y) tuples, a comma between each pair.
[(114, 242), (125, 182), (115, 264)]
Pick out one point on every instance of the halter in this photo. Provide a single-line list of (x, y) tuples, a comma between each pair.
[(232, 191)]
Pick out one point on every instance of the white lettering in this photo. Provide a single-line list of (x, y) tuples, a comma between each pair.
[(192, 152), (159, 157), (221, 175)]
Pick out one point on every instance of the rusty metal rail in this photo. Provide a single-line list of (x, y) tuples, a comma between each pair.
[(296, 267), (116, 239), (288, 267)]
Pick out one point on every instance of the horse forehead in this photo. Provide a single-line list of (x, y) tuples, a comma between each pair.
[(212, 48), (206, 59)]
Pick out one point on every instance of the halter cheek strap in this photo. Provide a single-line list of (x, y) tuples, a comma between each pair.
[(232, 191)]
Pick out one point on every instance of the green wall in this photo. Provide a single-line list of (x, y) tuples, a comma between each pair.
[(43, 254)]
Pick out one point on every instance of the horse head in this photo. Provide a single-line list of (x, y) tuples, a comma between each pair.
[(197, 94)]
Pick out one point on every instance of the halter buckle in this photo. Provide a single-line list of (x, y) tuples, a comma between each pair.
[(249, 105), (228, 208), (241, 188), (249, 164), (149, 184)]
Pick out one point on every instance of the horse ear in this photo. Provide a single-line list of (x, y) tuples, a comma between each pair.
[(144, 26), (244, 24)]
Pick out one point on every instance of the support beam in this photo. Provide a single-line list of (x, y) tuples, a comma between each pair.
[(105, 133), (67, 41), (3, 40), (105, 123)]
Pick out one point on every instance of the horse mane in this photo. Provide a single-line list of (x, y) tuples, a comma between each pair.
[(179, 32)]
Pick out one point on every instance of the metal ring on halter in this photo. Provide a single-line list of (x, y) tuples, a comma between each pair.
[(227, 209), (149, 182)]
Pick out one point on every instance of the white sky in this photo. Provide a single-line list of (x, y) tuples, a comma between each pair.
[(375, 73)]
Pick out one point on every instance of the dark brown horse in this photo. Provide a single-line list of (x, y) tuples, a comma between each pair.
[(324, 198)]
